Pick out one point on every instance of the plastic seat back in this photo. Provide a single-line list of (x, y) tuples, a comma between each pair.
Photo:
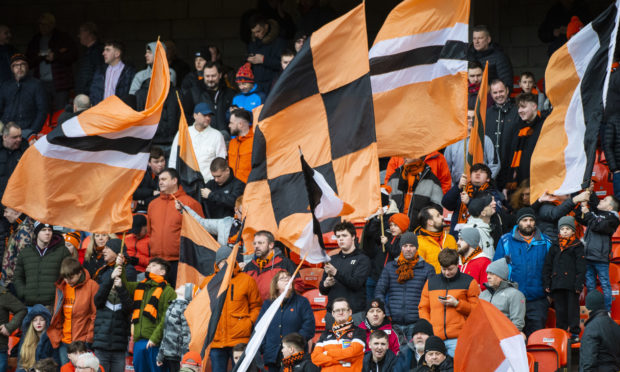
[(311, 277), (555, 338), (317, 300)]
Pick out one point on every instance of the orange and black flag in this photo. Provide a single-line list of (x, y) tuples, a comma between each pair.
[(326, 92), (82, 175), (197, 254), (187, 164), (418, 68), (475, 151), (204, 311)]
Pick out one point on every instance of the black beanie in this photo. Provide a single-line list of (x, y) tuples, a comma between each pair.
[(525, 212), (114, 245), (434, 343), (423, 326), (376, 303)]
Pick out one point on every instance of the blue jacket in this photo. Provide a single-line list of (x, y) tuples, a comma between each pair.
[(402, 300), (527, 261), (294, 315), (44, 347), (249, 100)]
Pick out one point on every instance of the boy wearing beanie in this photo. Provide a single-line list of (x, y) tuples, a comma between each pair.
[(473, 261), (249, 96), (564, 276), (600, 345), (503, 294)]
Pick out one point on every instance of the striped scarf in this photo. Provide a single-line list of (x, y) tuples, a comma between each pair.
[(101, 269), (405, 267), (565, 242), (262, 262), (473, 254), (150, 309), (522, 137), (341, 329), (471, 191), (435, 235), (289, 362)]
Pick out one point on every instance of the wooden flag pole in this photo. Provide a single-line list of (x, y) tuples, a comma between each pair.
[(123, 243), (382, 229)]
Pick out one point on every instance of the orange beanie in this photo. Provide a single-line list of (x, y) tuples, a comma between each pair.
[(401, 220)]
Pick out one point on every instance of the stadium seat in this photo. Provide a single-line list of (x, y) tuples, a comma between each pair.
[(615, 248), (311, 277), (614, 273), (601, 177), (531, 362), (615, 304), (319, 319), (550, 318), (315, 339), (550, 348), (317, 300)]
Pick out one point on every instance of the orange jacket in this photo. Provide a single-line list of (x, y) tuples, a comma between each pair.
[(138, 249), (240, 310), (344, 354), (429, 250), (82, 315), (240, 155), (447, 321), (435, 160), (164, 224)]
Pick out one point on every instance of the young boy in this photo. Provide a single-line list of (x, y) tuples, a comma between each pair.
[(74, 350), (294, 356), (176, 331), (527, 83), (564, 275), (601, 223), (249, 96)]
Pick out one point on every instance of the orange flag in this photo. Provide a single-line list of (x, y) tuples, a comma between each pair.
[(475, 152)]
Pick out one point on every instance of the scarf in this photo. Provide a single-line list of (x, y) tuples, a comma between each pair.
[(412, 173), (262, 262), (524, 133), (473, 254), (289, 362), (473, 88), (101, 269), (435, 235), (150, 309), (341, 329), (471, 191), (566, 242), (405, 267)]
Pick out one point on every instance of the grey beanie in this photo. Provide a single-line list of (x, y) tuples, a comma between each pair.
[(595, 301), (567, 221), (499, 268), (471, 236), (408, 238), (222, 253)]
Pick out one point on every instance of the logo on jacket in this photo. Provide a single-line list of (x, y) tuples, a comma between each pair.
[(353, 262)]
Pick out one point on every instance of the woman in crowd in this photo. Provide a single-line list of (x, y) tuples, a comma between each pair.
[(34, 344), (93, 257)]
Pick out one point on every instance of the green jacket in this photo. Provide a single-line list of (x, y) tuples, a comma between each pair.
[(9, 304), (145, 328), (35, 275)]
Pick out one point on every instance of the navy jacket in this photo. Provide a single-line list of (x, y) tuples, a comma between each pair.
[(97, 86), (25, 103)]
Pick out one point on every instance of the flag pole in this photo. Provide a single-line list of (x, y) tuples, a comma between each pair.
[(382, 229)]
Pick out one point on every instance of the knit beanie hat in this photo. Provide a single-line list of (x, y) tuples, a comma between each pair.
[(114, 245), (423, 326), (245, 74), (222, 253), (471, 236), (376, 304), (408, 238), (499, 268), (567, 221), (595, 301), (434, 343), (525, 212), (573, 27), (401, 220), (38, 226), (73, 237), (477, 204)]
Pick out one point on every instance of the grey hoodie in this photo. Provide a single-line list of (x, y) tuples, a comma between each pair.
[(509, 300), (486, 240), (145, 74)]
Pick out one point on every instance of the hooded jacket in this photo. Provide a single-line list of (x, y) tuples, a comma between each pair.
[(83, 311), (386, 327), (600, 344), (527, 263), (25, 103), (487, 243), (164, 224), (353, 270), (240, 155), (175, 342), (263, 277), (145, 74), (44, 347), (509, 300), (477, 268), (250, 100)]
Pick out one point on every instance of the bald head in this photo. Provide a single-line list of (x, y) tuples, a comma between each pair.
[(81, 102)]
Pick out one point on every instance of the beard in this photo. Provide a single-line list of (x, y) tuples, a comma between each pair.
[(526, 230)]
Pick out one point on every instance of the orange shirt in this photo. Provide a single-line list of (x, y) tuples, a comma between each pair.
[(67, 310)]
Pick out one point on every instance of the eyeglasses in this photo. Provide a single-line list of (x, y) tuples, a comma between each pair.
[(336, 311)]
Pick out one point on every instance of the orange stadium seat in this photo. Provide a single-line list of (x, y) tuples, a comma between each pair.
[(549, 347), (317, 300), (311, 276)]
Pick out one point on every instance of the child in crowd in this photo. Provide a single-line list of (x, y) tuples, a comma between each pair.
[(34, 344), (249, 97), (175, 342), (74, 350), (527, 83)]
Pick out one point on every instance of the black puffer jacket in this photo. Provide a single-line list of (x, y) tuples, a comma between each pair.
[(601, 225), (353, 270), (600, 344), (549, 214), (501, 128), (499, 63), (114, 306), (221, 104), (565, 269), (221, 200), (386, 365), (25, 103)]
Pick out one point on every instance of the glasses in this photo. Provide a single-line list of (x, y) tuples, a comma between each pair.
[(337, 311)]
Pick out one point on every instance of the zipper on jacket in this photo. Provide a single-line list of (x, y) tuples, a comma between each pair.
[(232, 291), (445, 315)]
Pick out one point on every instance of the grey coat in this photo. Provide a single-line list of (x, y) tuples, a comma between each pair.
[(175, 342), (509, 300)]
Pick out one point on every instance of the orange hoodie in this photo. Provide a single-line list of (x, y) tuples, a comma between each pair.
[(240, 155)]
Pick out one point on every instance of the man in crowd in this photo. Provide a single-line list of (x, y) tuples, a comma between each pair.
[(165, 222), (207, 142), (527, 248), (345, 275), (148, 189), (600, 345), (113, 78), (411, 354), (340, 347), (23, 99), (81, 103), (448, 298), (267, 263), (481, 210), (294, 356), (483, 50), (431, 235), (220, 193), (240, 147), (501, 122), (11, 151), (503, 294), (474, 80), (436, 356), (91, 60), (474, 262), (195, 77), (264, 51), (380, 358), (143, 75), (400, 285)]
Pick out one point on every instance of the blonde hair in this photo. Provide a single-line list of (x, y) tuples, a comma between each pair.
[(90, 248), (516, 199), (273, 287), (29, 347)]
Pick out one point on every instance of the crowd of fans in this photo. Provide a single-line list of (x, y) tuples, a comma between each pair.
[(398, 291)]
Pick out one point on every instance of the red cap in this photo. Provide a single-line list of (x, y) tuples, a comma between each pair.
[(192, 357)]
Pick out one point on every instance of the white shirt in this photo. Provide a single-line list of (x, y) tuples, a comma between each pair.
[(208, 145)]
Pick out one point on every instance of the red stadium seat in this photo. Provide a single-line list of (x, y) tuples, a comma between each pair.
[(311, 277), (549, 347), (317, 300), (601, 177)]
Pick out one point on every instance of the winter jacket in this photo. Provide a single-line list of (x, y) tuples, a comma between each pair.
[(499, 63), (345, 354), (82, 313), (97, 87), (601, 225), (372, 247), (271, 47), (138, 249), (18, 240), (487, 243), (548, 215), (402, 299), (35, 275), (447, 321), (477, 268), (527, 261), (294, 315), (386, 327), (144, 193), (24, 102), (176, 331), (44, 347), (600, 344), (456, 160), (446, 366), (452, 202), (407, 361), (221, 200), (353, 270), (114, 308), (9, 304), (275, 265), (8, 162), (164, 224), (87, 65), (94, 263), (65, 53), (221, 102), (240, 311), (501, 127), (170, 113), (250, 100), (240, 155), (509, 300), (304, 365), (435, 160), (565, 269), (145, 329), (429, 249), (190, 81), (387, 364)]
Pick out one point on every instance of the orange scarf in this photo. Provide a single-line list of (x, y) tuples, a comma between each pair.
[(150, 309), (471, 191), (435, 235), (289, 362), (341, 329), (102, 268), (262, 262), (405, 267), (473, 254), (565, 242)]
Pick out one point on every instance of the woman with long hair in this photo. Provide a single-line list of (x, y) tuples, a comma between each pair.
[(93, 257), (34, 344)]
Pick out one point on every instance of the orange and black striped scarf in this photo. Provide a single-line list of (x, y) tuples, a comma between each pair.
[(102, 268), (341, 329), (522, 137), (405, 267), (565, 242), (289, 362), (262, 262), (471, 191), (473, 254), (150, 309)]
